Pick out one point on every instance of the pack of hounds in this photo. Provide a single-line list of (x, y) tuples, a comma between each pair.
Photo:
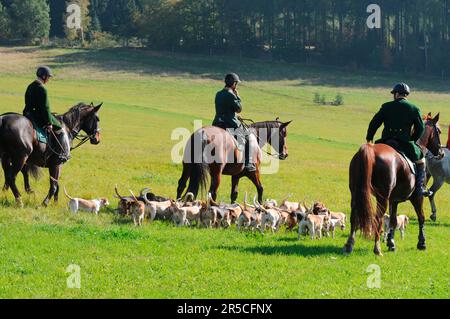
[(314, 220)]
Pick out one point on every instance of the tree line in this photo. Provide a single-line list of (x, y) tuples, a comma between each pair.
[(413, 35)]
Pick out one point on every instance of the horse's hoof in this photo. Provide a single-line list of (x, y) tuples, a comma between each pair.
[(433, 217), (421, 246), (19, 203), (30, 191), (392, 248), (348, 249), (378, 253)]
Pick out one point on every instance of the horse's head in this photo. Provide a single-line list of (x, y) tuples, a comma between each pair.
[(280, 136), (431, 139), (89, 122)]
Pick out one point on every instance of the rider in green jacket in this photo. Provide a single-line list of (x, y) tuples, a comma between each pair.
[(37, 109), (228, 105), (403, 126)]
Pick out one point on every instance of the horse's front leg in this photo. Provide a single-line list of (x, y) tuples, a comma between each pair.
[(234, 188), (417, 202), (255, 178), (392, 226), (438, 182), (55, 172)]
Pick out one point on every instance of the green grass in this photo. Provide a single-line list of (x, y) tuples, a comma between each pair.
[(146, 95)]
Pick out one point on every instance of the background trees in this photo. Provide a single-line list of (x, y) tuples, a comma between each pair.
[(414, 37)]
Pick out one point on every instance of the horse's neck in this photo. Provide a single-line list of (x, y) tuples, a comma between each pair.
[(72, 125), (268, 127)]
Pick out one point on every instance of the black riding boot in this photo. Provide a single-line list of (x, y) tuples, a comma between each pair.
[(250, 166), (421, 189)]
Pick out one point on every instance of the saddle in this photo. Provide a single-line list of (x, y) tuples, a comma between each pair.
[(394, 145)]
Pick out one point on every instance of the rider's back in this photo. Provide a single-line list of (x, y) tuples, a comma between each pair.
[(227, 105), (36, 103), (399, 117)]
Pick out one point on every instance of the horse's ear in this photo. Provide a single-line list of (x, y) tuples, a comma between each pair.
[(286, 124), (97, 108), (436, 118), (277, 119)]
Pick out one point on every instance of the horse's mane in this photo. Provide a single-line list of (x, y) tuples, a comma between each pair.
[(73, 114), (78, 107), (266, 124)]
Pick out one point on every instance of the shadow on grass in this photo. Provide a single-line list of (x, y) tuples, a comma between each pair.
[(142, 61), (297, 249)]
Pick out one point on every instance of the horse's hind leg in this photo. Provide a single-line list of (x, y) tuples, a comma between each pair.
[(438, 182), (6, 166), (26, 180), (417, 202), (382, 204), (14, 168), (392, 226)]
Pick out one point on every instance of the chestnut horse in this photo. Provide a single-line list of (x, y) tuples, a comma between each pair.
[(20, 149), (381, 171), (214, 150)]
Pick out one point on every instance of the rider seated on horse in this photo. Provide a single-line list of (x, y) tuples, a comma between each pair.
[(399, 118), (37, 109), (228, 105)]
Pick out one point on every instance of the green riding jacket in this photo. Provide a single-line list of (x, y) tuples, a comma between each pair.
[(37, 106), (227, 107), (403, 123)]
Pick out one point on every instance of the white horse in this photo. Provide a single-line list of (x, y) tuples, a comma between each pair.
[(440, 170)]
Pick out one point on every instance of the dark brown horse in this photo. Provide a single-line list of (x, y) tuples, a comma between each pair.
[(214, 150), (20, 149), (379, 170)]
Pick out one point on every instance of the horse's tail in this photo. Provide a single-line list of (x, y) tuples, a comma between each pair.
[(361, 169), (199, 168), (35, 171)]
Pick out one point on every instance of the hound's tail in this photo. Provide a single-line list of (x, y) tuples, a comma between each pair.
[(67, 195), (361, 169)]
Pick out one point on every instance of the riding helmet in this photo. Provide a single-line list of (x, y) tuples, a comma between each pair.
[(401, 88), (44, 71), (231, 78)]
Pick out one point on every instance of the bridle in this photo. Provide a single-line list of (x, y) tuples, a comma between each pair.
[(437, 133), (249, 128), (82, 138)]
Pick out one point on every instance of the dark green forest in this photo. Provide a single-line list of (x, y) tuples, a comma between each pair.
[(414, 35)]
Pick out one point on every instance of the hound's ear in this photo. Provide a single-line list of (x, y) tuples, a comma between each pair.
[(286, 124), (97, 108), (436, 118)]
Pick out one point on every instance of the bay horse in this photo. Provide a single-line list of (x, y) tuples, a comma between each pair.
[(20, 149), (214, 150), (381, 171)]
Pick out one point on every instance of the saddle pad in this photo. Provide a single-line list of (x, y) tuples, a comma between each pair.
[(40, 134), (411, 165)]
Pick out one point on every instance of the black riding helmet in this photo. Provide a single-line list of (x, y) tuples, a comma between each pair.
[(231, 78), (401, 88), (44, 71)]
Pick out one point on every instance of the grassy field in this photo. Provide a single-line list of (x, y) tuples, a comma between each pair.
[(146, 95)]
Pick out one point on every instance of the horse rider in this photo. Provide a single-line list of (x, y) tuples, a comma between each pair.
[(37, 109), (399, 117), (228, 106)]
